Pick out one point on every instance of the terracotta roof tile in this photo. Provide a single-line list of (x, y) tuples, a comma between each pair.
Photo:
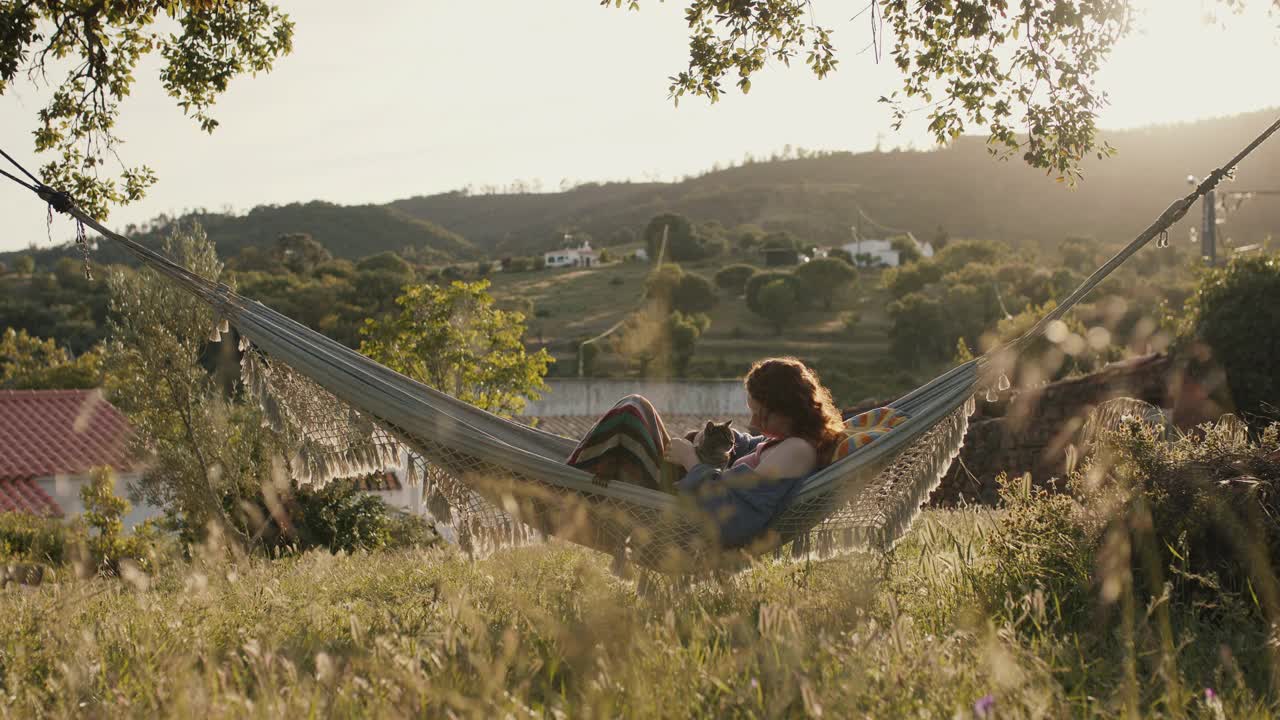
[(24, 495), (59, 432)]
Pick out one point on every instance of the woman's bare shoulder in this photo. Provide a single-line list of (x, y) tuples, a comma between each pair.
[(799, 446), (793, 456)]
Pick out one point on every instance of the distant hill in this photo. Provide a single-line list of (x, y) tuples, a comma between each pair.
[(960, 188), (347, 231)]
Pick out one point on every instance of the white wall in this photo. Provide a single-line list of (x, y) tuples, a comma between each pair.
[(408, 498), (65, 490), (594, 396)]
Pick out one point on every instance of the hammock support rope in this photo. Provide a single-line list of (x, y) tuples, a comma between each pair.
[(502, 480)]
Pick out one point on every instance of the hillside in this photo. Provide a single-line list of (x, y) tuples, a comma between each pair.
[(960, 188), (347, 231)]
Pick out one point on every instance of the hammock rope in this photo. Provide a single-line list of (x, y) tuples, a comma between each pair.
[(503, 480)]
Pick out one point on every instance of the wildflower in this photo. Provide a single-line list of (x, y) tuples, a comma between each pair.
[(1214, 703), (985, 707)]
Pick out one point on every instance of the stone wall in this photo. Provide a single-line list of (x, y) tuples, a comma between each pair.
[(1028, 431)]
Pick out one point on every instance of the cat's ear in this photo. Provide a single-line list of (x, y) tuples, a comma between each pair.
[(709, 426), (727, 423)]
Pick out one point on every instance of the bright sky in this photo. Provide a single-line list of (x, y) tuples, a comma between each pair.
[(404, 98)]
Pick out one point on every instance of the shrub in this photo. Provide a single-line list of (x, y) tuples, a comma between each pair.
[(107, 545), (902, 281), (338, 516), (405, 530), (760, 279), (825, 278), (694, 294), (385, 262), (919, 332), (777, 300), (33, 538), (1234, 311), (733, 279)]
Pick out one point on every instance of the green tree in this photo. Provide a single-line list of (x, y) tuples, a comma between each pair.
[(920, 332), (662, 282), (32, 363), (940, 238), (300, 253), (748, 237), (208, 456), (908, 251), (902, 281), (1027, 74), (24, 265), (684, 330), (203, 44), (455, 340), (733, 279), (1080, 254), (1234, 311), (778, 303), (760, 279), (385, 262), (842, 254), (782, 240), (825, 278), (694, 294), (103, 510), (958, 254), (683, 241)]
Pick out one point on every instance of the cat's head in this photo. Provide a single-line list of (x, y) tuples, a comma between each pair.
[(715, 436)]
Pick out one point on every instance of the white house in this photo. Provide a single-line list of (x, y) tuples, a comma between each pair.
[(50, 440), (882, 252), (582, 256)]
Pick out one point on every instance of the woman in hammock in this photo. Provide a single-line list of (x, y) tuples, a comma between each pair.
[(797, 424)]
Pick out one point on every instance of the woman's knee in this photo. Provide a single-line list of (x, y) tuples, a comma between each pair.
[(635, 400)]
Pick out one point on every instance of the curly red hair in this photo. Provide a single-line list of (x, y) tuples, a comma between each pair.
[(785, 385)]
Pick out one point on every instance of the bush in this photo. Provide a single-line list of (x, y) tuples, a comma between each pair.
[(385, 262), (778, 303), (694, 294), (903, 281), (32, 538), (760, 279), (106, 544), (405, 530), (920, 333), (1195, 520), (733, 279), (825, 278), (340, 517), (1234, 311)]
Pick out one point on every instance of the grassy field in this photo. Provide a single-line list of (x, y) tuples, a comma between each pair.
[(547, 631)]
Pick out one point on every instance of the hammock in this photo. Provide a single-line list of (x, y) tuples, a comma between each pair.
[(504, 481)]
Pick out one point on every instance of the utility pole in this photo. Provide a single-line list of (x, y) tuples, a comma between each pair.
[(1208, 224), (1209, 216)]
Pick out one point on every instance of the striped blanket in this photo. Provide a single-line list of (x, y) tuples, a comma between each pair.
[(628, 443)]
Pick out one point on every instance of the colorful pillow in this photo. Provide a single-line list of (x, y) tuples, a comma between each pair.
[(865, 428)]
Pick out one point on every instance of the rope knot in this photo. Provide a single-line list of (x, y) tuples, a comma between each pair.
[(57, 199)]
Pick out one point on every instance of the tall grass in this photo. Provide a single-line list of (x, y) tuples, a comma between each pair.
[(1075, 604)]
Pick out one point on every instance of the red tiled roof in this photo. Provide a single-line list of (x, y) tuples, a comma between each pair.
[(59, 432), (576, 426), (26, 496)]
